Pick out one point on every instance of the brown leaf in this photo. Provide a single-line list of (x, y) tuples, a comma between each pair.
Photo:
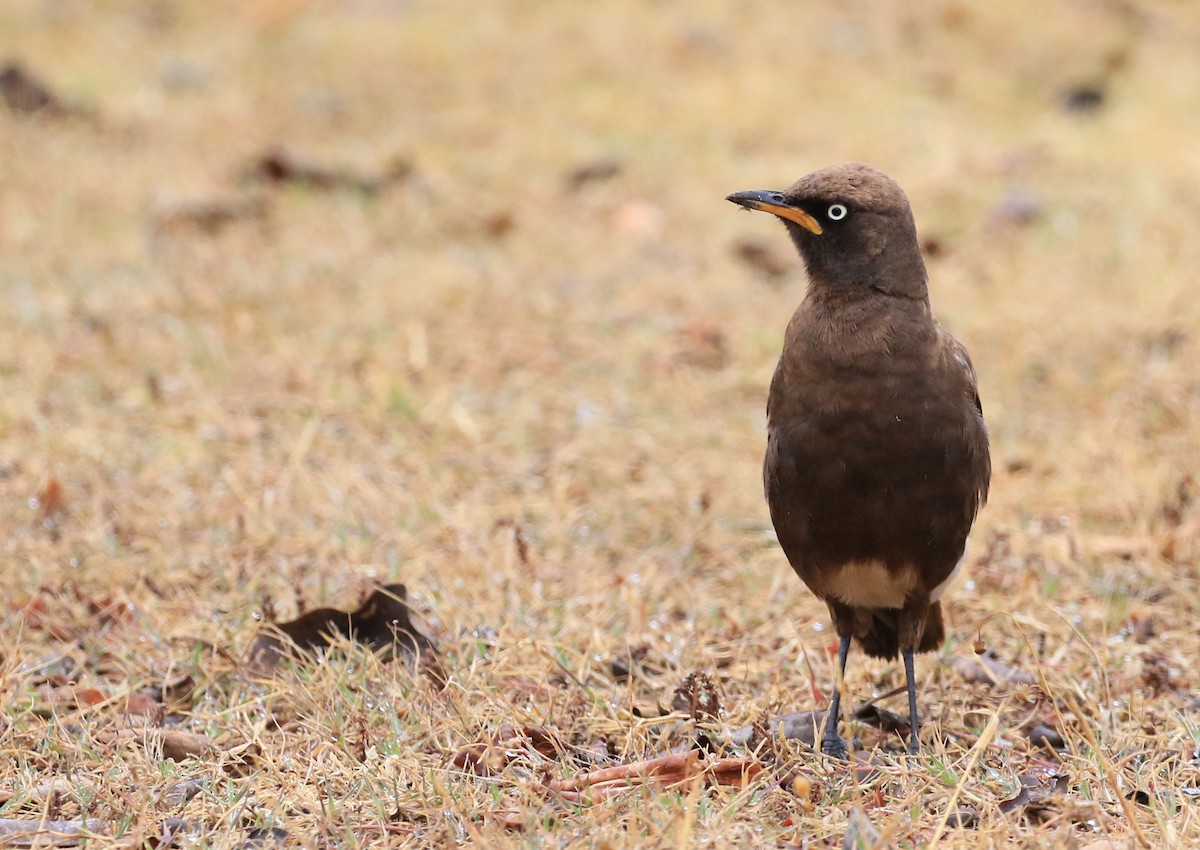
[(144, 705), (51, 506), (479, 759), (662, 772), (24, 93), (382, 623), (278, 166), (52, 500), (506, 746), (604, 168), (1041, 735), (178, 745), (987, 670), (71, 697), (1037, 794), (537, 738)]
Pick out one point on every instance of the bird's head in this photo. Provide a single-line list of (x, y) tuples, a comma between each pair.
[(853, 226)]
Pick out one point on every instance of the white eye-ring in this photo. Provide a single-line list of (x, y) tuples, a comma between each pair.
[(836, 212)]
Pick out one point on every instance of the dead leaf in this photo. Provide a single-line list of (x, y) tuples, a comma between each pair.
[(1037, 795), (266, 836), (986, 670), (181, 792), (52, 500), (481, 759), (509, 744), (382, 623), (51, 507), (882, 719), (24, 93), (71, 697), (178, 745), (604, 168), (637, 659), (964, 817), (144, 705), (56, 789), (1041, 735), (663, 772), (277, 166), (1083, 98), (803, 726), (18, 832)]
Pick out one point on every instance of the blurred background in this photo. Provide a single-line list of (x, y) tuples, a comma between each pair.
[(368, 278), (298, 296), (326, 285)]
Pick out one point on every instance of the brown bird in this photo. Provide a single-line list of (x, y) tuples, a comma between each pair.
[(877, 453)]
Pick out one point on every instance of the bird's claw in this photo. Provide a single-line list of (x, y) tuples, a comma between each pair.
[(835, 746)]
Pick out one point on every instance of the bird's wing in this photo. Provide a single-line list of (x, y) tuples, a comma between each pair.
[(956, 359)]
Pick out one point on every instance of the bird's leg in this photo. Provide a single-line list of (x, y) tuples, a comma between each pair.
[(832, 744), (911, 628), (914, 722)]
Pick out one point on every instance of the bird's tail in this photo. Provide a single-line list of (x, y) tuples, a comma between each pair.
[(882, 638)]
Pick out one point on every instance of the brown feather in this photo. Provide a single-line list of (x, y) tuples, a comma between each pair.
[(877, 453)]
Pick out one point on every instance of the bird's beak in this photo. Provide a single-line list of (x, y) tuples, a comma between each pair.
[(776, 204)]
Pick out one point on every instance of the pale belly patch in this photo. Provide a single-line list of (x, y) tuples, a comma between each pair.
[(869, 584)]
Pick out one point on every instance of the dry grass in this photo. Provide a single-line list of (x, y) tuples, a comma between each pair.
[(541, 409)]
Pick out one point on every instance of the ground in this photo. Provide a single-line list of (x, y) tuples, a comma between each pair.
[(505, 343)]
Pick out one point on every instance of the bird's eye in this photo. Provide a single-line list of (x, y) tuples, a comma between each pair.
[(836, 212)]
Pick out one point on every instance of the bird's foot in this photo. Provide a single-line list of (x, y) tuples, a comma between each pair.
[(835, 745)]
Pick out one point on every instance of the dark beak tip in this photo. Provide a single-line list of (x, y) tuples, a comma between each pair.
[(742, 199)]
